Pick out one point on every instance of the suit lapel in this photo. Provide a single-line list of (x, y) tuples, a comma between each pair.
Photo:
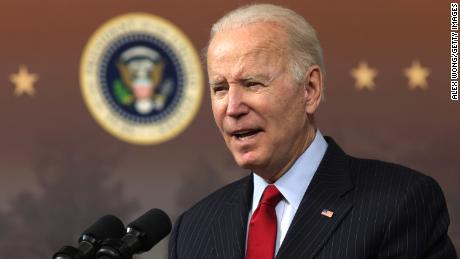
[(230, 234), (310, 229)]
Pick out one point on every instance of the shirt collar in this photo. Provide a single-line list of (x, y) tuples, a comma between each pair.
[(294, 183)]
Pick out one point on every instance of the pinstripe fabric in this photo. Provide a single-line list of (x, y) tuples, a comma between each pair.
[(381, 210)]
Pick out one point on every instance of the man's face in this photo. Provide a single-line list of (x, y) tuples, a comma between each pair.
[(258, 107)]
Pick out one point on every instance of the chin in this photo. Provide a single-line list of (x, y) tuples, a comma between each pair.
[(249, 163)]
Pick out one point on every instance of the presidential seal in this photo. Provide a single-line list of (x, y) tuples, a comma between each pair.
[(141, 78)]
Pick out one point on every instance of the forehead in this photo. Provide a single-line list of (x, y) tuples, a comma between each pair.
[(248, 39), (240, 46)]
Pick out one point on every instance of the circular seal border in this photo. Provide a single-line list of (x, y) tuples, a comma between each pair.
[(98, 106)]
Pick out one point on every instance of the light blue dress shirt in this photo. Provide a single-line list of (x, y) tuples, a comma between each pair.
[(293, 185)]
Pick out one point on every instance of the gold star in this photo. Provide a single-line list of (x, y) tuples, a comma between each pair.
[(364, 76), (24, 81), (417, 75)]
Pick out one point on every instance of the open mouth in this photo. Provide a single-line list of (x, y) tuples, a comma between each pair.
[(245, 133)]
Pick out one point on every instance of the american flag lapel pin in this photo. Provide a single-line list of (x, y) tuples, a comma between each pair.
[(327, 213)]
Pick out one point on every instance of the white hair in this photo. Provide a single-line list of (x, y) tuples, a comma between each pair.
[(304, 47)]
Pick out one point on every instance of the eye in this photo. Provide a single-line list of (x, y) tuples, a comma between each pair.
[(253, 84), (219, 89)]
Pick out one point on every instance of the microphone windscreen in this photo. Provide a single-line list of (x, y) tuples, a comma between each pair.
[(155, 224), (107, 226)]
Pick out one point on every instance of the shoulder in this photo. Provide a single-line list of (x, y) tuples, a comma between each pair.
[(369, 176), (368, 171), (400, 193), (192, 228), (409, 206), (376, 173), (216, 201)]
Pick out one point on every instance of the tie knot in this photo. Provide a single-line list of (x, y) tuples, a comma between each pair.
[(271, 196)]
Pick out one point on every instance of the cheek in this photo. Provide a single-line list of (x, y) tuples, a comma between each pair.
[(286, 117), (218, 111)]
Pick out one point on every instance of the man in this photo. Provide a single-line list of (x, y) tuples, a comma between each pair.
[(305, 197)]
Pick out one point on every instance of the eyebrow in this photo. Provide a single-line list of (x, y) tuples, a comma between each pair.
[(257, 77), (260, 78), (216, 82)]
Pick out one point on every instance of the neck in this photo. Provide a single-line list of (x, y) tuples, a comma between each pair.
[(271, 177)]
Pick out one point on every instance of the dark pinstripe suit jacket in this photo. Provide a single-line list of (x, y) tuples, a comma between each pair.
[(381, 210)]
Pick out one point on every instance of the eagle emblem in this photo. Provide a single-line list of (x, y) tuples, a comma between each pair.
[(141, 83)]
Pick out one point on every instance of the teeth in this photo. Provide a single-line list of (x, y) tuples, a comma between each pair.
[(244, 134)]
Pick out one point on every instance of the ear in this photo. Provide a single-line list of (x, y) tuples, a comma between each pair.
[(313, 88)]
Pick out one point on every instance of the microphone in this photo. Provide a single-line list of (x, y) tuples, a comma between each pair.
[(141, 235), (107, 226)]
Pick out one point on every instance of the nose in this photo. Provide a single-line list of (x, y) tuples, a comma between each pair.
[(236, 106)]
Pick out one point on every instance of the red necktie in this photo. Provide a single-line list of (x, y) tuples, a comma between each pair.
[(262, 228)]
